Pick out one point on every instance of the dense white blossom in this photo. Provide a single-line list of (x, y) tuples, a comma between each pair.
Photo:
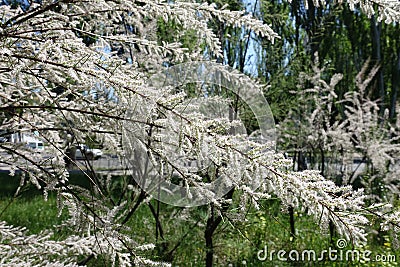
[(362, 134), (384, 10), (61, 77)]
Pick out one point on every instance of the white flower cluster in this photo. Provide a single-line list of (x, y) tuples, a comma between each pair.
[(61, 77), (62, 81), (17, 248), (362, 134), (384, 10)]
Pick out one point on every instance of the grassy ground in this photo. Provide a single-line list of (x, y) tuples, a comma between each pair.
[(237, 242), (32, 212)]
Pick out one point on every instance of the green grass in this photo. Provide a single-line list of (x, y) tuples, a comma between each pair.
[(32, 212), (237, 242)]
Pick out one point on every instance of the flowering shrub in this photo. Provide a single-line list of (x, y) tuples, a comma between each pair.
[(62, 76)]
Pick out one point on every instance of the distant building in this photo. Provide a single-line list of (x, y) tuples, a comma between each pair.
[(32, 140)]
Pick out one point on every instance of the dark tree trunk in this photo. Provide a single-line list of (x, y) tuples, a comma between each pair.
[(376, 29), (209, 241), (312, 26), (212, 224), (70, 157), (395, 86)]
